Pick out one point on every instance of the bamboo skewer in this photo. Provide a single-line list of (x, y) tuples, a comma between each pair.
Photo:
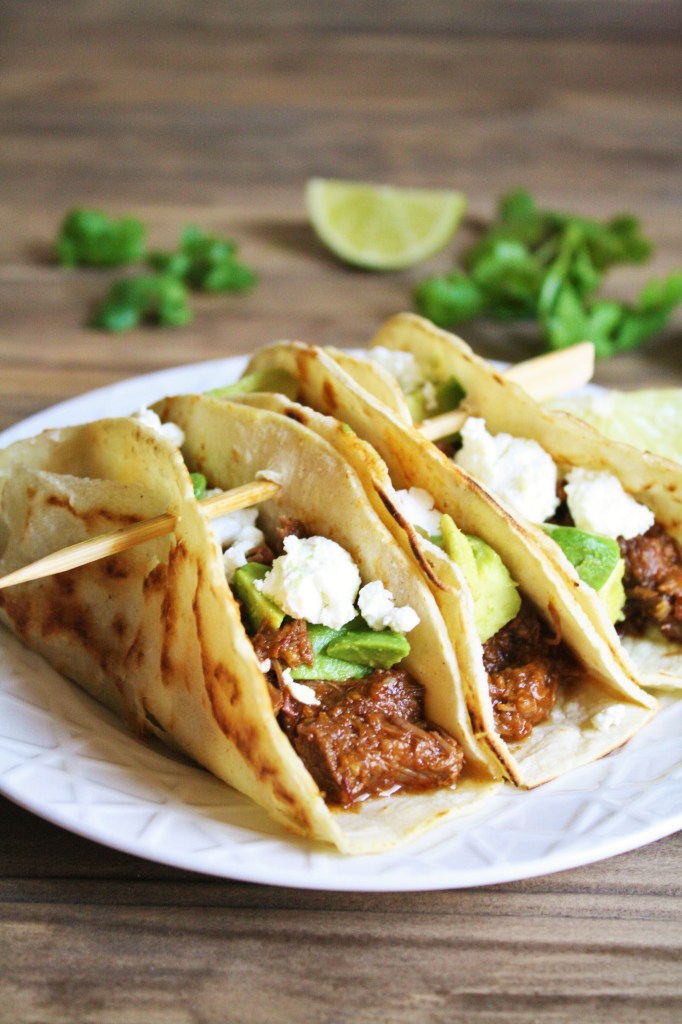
[(551, 374), (93, 549)]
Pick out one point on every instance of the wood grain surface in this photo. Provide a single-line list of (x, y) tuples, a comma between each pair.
[(216, 113)]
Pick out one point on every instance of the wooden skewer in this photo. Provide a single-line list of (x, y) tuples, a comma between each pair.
[(93, 549), (543, 377)]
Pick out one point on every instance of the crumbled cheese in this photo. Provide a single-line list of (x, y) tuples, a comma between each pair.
[(265, 665), (299, 691), (237, 534), (598, 504), (401, 365), (517, 470), (608, 718), (315, 580), (171, 431), (377, 607), (416, 505)]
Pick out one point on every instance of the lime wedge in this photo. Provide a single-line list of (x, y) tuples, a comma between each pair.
[(648, 419), (379, 227)]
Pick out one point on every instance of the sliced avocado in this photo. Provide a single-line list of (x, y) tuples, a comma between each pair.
[(498, 600), (377, 648), (597, 561), (335, 669), (448, 395), (259, 608), (458, 549), (272, 380), (323, 666)]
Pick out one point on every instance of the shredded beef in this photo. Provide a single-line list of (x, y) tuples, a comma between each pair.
[(653, 583), (288, 527), (263, 554), (525, 663), (369, 736), (290, 643)]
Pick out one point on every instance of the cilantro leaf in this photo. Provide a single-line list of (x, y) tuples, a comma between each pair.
[(90, 238), (205, 262), (547, 265), (146, 298)]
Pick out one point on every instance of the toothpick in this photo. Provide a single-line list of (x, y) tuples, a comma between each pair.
[(127, 537)]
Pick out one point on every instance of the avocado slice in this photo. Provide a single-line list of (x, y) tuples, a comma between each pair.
[(376, 648), (272, 380), (496, 599), (259, 608), (449, 394), (597, 561), (324, 666)]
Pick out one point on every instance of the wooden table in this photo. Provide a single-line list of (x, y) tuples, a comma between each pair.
[(216, 113)]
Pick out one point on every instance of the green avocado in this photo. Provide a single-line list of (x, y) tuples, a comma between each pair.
[(324, 666), (597, 561), (496, 599), (271, 380), (376, 648), (259, 608), (448, 394)]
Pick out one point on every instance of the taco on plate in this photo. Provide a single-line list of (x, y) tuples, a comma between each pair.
[(545, 689), (609, 514), (228, 671)]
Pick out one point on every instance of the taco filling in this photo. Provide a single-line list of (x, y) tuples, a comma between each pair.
[(614, 541), (331, 652)]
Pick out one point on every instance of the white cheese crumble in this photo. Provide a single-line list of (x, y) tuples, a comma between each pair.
[(237, 534), (598, 504), (608, 718), (171, 431), (299, 691), (417, 506), (401, 365), (265, 665), (377, 607), (517, 470), (315, 579)]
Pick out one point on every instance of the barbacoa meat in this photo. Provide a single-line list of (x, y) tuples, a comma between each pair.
[(370, 736), (525, 664), (653, 583), (290, 643)]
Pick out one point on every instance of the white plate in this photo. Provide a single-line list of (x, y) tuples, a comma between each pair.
[(68, 760)]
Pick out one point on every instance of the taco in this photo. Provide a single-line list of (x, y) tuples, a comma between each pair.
[(610, 514), (156, 633), (546, 690)]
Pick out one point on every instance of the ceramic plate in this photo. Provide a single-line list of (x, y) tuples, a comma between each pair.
[(71, 762)]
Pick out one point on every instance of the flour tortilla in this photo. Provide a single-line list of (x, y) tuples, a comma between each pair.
[(606, 706), (652, 480), (155, 633)]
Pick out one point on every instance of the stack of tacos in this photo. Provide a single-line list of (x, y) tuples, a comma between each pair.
[(546, 688), (363, 655), (159, 635)]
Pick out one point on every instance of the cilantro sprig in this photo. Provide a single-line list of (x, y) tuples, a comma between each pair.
[(548, 266), (202, 262), (205, 262), (90, 238)]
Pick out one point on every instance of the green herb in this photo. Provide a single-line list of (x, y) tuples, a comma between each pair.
[(206, 263), (90, 238), (147, 298), (546, 265)]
